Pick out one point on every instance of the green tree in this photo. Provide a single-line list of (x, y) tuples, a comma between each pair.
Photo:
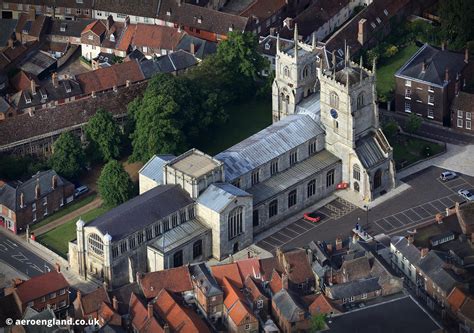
[(318, 322), (68, 157), (391, 129), (390, 51), (103, 134), (413, 124), (457, 21), (115, 186)]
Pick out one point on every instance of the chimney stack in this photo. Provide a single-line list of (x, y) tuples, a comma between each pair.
[(115, 303), (329, 247), (127, 21), (22, 200), (37, 190), (423, 66), (11, 43), (54, 182), (33, 86), (338, 243), (410, 239), (150, 310), (109, 23), (446, 75), (362, 32), (443, 45), (284, 281), (54, 79), (466, 56), (424, 251), (192, 48)]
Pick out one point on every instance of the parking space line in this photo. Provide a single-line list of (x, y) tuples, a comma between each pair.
[(385, 219), (302, 226), (275, 240), (297, 228), (447, 202), (382, 227), (396, 218), (420, 217), (266, 244), (304, 222), (279, 236), (436, 208), (289, 230)]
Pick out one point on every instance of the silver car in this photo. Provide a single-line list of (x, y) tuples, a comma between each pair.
[(466, 194), (447, 175)]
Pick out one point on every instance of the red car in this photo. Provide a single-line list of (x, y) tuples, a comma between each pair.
[(312, 217)]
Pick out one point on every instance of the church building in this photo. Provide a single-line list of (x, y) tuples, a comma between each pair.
[(194, 206)]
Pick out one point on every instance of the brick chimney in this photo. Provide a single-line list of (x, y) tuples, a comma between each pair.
[(54, 182), (150, 310), (423, 66), (11, 43), (79, 295), (424, 251), (338, 243), (362, 32), (446, 75), (54, 79), (329, 247), (22, 200), (284, 281), (37, 190), (466, 56), (410, 239), (57, 266), (33, 86), (166, 328), (192, 48), (109, 23), (115, 303)]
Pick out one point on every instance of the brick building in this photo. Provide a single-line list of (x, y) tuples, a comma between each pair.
[(462, 112), (24, 203)]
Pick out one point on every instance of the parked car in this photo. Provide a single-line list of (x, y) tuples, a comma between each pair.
[(466, 194), (312, 217), (447, 175), (81, 190)]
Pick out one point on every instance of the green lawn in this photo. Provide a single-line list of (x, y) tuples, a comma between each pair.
[(407, 150), (387, 69), (58, 238), (244, 120), (66, 210)]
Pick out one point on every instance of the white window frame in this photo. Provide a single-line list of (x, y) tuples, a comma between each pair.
[(430, 89), (460, 114), (460, 123), (468, 124), (407, 93), (408, 109), (33, 206), (431, 99), (407, 83), (430, 112)]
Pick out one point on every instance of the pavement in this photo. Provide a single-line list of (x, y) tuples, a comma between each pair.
[(68, 217)]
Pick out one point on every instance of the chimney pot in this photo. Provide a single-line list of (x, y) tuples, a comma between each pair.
[(284, 281), (115, 303), (192, 48), (150, 310), (54, 79), (33, 86), (362, 32)]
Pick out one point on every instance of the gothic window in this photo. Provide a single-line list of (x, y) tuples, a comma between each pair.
[(132, 242), (255, 177), (330, 178), (312, 147), (293, 157), (273, 208), (95, 244), (312, 188), (234, 222), (292, 198), (166, 225), (255, 218), (378, 179), (115, 251), (356, 187), (356, 172), (306, 71), (286, 71), (360, 100), (334, 100), (157, 228), (140, 237), (274, 167), (178, 259), (148, 233), (197, 248)]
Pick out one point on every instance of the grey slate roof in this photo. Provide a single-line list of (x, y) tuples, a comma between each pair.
[(153, 169), (289, 305), (297, 173), (311, 106), (369, 152), (169, 63), (64, 89), (354, 288), (202, 48), (432, 266), (219, 195), (38, 63), (408, 250), (141, 211), (436, 61), (179, 235), (7, 29), (200, 272), (4, 106), (268, 144), (10, 195), (72, 28)]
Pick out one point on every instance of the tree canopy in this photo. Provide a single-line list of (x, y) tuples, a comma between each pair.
[(115, 186), (457, 22), (68, 157), (103, 133)]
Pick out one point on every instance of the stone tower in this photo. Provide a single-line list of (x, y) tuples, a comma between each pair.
[(295, 76), (349, 114)]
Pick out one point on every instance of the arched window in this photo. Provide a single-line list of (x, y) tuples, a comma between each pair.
[(95, 244), (178, 259), (334, 100), (356, 172), (234, 222), (286, 71), (356, 187), (273, 208), (197, 248), (378, 179), (360, 100), (312, 188), (306, 70)]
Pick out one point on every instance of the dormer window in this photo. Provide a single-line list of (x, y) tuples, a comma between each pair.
[(112, 37), (43, 94), (200, 19), (267, 46), (231, 28), (63, 27), (27, 98), (168, 12)]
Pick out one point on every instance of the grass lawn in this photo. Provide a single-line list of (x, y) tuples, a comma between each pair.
[(244, 120), (58, 238), (76, 204), (410, 150), (387, 69)]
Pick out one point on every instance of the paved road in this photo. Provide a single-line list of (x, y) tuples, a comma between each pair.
[(432, 131), (415, 206), (17, 256)]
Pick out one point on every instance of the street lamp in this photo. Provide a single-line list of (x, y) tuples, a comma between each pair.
[(366, 207)]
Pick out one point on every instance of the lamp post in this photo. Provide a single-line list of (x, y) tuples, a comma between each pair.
[(366, 217)]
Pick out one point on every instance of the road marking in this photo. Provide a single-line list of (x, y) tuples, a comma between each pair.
[(288, 230), (275, 240), (298, 227), (278, 235)]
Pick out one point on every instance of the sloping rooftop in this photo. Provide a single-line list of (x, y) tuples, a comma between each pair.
[(153, 169), (229, 271), (185, 232), (156, 36), (172, 62), (139, 316), (38, 63), (202, 48), (92, 301), (290, 306), (408, 250), (218, 195), (436, 61), (358, 268), (67, 27), (268, 144), (141, 211), (202, 276), (286, 179), (456, 298), (369, 152), (40, 285), (354, 288), (144, 8), (176, 280), (432, 265), (7, 29)]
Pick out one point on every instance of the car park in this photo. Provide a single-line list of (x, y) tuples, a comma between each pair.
[(312, 217), (81, 190), (466, 194), (447, 175)]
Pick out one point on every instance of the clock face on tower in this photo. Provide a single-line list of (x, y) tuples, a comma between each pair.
[(333, 113)]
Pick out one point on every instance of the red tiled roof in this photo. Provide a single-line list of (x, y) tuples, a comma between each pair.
[(267, 265), (276, 283), (139, 317), (179, 318), (235, 304), (231, 293), (241, 313), (91, 302), (106, 78), (41, 285), (230, 271), (108, 315), (177, 280), (156, 36), (254, 289), (456, 298), (263, 9), (467, 309), (321, 305), (127, 37), (37, 24), (97, 27), (249, 267), (299, 269), (21, 81)]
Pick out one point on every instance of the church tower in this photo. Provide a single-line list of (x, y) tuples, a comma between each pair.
[(349, 114), (295, 76)]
